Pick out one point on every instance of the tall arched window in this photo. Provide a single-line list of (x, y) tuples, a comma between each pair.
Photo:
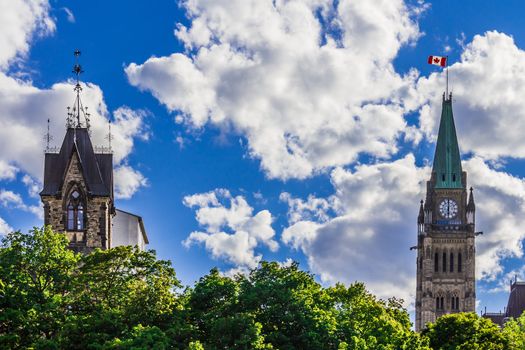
[(436, 262), (451, 262), (75, 212), (444, 262), (459, 262)]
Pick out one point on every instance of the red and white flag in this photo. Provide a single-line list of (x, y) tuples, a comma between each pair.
[(437, 60)]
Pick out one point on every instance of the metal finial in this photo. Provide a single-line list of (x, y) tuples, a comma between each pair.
[(110, 136), (48, 138), (73, 119)]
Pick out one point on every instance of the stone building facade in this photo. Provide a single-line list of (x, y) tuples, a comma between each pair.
[(78, 192), (78, 188), (445, 281)]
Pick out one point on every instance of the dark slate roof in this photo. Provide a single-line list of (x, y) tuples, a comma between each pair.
[(96, 168), (496, 317), (516, 304), (447, 160)]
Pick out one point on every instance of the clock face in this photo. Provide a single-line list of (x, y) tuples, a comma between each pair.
[(448, 208)]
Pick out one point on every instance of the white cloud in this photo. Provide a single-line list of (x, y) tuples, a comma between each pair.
[(368, 239), (4, 227), (231, 230), (488, 85), (12, 200), (500, 212), (22, 130), (127, 181), (21, 20), (69, 14), (308, 94), (7, 172), (33, 186)]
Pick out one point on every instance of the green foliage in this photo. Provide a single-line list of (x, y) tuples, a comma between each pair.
[(123, 298), (466, 331), (514, 331), (37, 271)]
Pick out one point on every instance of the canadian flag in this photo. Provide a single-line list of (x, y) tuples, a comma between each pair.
[(437, 60)]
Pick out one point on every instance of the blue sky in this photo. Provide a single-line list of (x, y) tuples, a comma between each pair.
[(300, 130)]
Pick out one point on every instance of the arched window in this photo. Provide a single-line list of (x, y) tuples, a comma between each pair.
[(437, 303), (459, 262), (441, 303), (444, 262), (436, 262), (451, 262), (75, 212)]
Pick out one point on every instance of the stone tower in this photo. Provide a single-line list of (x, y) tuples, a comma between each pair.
[(446, 233), (78, 184)]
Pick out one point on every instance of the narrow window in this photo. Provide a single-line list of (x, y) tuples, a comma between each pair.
[(80, 217), (437, 303), (436, 262), (442, 303), (70, 217), (451, 262), (75, 212), (459, 262), (454, 177), (444, 262), (443, 177), (457, 303)]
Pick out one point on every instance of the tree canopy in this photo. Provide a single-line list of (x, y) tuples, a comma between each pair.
[(124, 298)]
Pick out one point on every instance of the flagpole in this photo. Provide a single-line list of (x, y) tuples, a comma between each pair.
[(446, 69)]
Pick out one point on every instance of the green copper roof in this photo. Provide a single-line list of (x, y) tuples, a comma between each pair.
[(447, 160)]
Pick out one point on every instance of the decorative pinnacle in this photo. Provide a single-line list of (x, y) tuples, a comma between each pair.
[(73, 114)]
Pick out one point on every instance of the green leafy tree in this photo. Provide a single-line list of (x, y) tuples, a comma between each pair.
[(140, 338), (465, 331), (116, 290), (514, 331), (37, 271), (220, 321), (365, 322), (295, 311)]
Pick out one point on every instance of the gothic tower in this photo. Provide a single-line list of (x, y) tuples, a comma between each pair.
[(446, 234), (78, 184)]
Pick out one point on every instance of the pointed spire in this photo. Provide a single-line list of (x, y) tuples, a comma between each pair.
[(471, 206), (74, 113), (447, 159), (421, 216)]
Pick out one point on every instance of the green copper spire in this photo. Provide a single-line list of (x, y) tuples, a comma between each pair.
[(447, 160)]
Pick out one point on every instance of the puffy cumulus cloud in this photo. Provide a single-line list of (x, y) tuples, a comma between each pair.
[(488, 86), (313, 208), (7, 172), (12, 200), (127, 181), (310, 83), (21, 129), (231, 230), (500, 213), (4, 227), (21, 20), (24, 107), (369, 237)]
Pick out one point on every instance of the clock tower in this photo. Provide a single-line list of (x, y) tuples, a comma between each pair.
[(446, 233)]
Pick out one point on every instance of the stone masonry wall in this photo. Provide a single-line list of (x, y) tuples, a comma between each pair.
[(97, 218)]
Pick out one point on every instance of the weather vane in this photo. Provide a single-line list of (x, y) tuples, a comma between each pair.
[(73, 114)]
